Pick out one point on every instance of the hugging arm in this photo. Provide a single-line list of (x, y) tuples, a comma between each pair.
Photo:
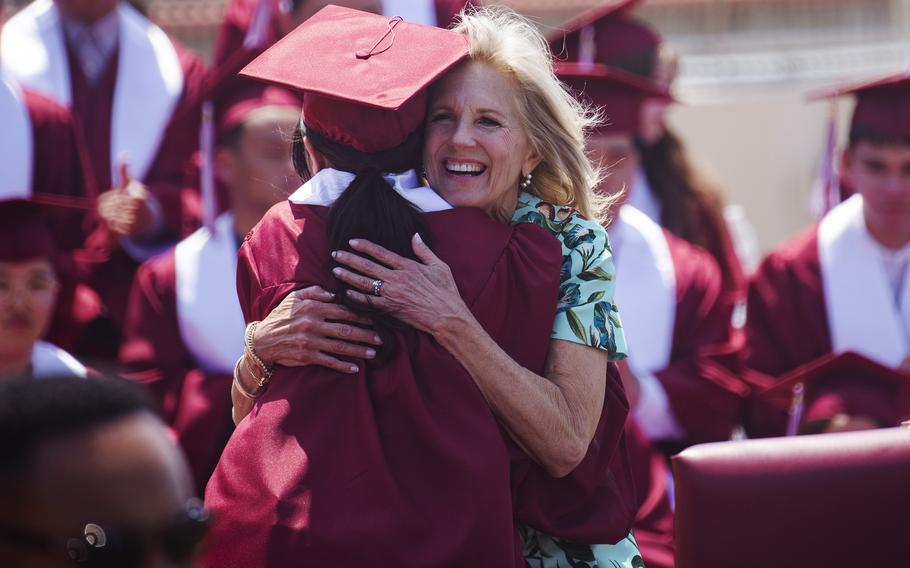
[(552, 417)]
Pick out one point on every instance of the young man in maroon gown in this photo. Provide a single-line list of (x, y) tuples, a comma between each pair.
[(128, 87), (844, 283), (184, 331)]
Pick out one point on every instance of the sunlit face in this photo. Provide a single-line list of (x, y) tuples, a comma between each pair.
[(259, 171), (619, 156), (881, 174), (87, 11), (476, 148), (28, 291)]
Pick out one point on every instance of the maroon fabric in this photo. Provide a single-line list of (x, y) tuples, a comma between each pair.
[(103, 264), (620, 41), (196, 404), (237, 108), (234, 26), (24, 234), (883, 109), (57, 175), (829, 500), (653, 525), (448, 10), (703, 378), (404, 462), (787, 325)]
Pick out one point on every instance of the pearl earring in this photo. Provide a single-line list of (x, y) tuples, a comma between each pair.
[(526, 182)]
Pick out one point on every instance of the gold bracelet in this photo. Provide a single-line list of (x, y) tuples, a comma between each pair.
[(239, 386), (248, 343)]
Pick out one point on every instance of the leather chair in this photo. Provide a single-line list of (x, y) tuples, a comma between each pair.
[(829, 500)]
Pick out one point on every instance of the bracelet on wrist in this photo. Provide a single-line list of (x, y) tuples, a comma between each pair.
[(248, 343), (238, 384)]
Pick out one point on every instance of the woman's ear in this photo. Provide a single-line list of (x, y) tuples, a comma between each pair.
[(314, 160), (531, 162), (225, 161)]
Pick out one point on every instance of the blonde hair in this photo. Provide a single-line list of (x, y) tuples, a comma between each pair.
[(555, 122)]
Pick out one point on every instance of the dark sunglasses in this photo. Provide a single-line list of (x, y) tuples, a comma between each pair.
[(110, 546)]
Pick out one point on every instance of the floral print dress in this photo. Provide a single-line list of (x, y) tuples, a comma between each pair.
[(586, 315)]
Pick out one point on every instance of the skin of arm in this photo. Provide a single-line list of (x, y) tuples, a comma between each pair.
[(553, 418), (304, 329)]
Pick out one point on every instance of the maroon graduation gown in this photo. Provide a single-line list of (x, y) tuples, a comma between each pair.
[(196, 404), (403, 462), (786, 326), (57, 171), (107, 266), (653, 525), (702, 380)]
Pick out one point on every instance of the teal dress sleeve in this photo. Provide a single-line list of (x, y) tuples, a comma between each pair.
[(586, 313)]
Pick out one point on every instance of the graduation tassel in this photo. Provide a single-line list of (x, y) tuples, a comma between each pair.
[(826, 190), (796, 409), (207, 166)]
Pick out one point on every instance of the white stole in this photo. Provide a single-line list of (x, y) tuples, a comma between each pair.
[(208, 311), (16, 141), (328, 184), (149, 77), (645, 289), (413, 11), (49, 361), (859, 302)]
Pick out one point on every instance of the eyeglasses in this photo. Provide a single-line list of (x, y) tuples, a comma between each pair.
[(117, 546)]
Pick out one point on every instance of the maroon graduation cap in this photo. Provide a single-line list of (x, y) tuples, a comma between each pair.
[(619, 93), (24, 232), (882, 104), (846, 383), (363, 76), (609, 35)]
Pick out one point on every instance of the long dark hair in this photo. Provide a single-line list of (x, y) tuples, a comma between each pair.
[(369, 209), (691, 207)]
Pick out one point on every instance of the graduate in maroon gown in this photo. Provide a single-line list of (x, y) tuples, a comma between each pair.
[(39, 156), (844, 283), (682, 366), (402, 461), (29, 290), (125, 83), (184, 329), (666, 186)]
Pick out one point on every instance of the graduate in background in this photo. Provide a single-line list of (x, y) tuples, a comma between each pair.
[(844, 283), (28, 292), (183, 331), (666, 185), (682, 369), (125, 83)]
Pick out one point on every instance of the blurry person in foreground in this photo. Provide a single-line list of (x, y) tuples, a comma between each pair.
[(98, 481)]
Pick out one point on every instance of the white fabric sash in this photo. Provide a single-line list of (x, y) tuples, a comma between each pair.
[(16, 141), (149, 77), (862, 315), (208, 311), (328, 184), (49, 361), (645, 289)]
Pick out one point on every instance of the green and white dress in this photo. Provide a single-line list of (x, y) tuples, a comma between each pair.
[(587, 315)]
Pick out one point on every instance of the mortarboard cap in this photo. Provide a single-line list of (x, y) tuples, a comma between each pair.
[(882, 105), (619, 93), (24, 232), (363, 76), (253, 98), (846, 383), (608, 35)]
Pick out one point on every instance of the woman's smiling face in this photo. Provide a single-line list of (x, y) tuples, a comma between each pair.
[(476, 149)]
